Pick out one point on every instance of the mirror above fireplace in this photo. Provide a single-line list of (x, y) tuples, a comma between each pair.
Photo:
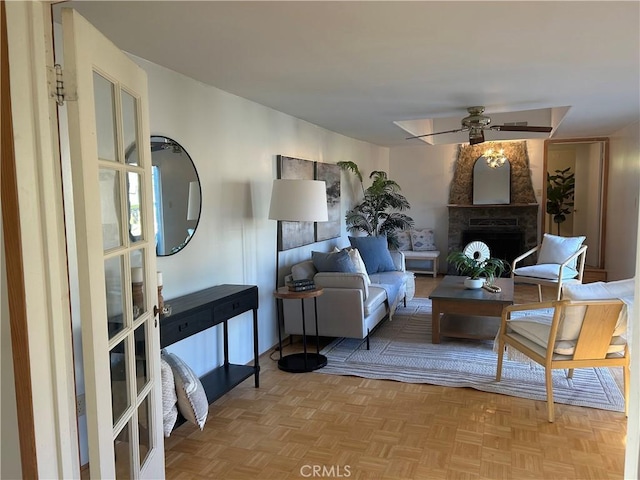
[(491, 185)]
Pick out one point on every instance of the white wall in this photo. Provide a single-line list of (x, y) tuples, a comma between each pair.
[(622, 203), (233, 143), (425, 172)]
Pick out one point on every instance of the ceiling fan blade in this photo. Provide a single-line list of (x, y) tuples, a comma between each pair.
[(520, 128), (438, 133)]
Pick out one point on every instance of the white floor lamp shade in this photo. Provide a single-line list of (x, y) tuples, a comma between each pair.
[(296, 201), (299, 201)]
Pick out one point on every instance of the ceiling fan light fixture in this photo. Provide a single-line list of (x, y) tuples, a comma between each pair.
[(495, 159), (476, 135)]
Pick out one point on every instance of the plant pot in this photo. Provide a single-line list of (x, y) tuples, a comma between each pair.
[(473, 283)]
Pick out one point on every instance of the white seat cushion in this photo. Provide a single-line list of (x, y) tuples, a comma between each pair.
[(377, 296), (546, 271), (536, 328)]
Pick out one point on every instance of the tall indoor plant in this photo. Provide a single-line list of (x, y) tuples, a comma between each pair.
[(561, 189), (379, 213)]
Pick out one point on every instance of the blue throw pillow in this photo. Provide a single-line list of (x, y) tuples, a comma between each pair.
[(333, 262), (375, 253)]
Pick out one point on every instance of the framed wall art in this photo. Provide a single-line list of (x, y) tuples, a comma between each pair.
[(330, 173), (295, 234)]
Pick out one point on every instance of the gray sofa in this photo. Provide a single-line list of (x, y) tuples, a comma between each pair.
[(349, 306)]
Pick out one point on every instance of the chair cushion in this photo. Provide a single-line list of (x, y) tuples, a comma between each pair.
[(536, 328), (546, 271), (375, 253), (404, 240), (377, 296), (422, 239), (391, 282), (555, 249), (333, 262)]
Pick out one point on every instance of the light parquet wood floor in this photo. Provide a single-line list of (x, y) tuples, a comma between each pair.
[(312, 425)]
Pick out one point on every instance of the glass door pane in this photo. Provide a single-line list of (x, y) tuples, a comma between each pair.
[(111, 174)]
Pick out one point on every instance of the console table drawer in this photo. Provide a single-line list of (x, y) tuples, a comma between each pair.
[(236, 306), (184, 326)]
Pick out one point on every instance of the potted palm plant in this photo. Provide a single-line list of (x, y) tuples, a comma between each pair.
[(477, 268), (379, 213)]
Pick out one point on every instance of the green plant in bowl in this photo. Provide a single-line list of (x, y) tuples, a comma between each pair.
[(475, 268)]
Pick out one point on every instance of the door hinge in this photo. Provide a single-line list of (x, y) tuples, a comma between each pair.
[(61, 86)]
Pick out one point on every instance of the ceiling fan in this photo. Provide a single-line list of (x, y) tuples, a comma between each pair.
[(476, 123)]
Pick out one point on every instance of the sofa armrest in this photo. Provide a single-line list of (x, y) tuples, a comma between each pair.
[(398, 260), (342, 280)]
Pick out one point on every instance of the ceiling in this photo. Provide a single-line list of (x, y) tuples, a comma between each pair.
[(357, 67)]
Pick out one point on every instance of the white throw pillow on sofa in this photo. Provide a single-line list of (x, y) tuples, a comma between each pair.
[(356, 258)]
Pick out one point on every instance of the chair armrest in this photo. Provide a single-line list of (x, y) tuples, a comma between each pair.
[(398, 260), (523, 256), (581, 255)]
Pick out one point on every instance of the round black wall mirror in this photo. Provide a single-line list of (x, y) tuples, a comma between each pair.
[(176, 195)]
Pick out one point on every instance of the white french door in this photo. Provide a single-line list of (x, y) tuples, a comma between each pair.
[(111, 169)]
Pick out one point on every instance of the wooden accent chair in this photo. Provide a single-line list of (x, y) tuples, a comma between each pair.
[(578, 334), (560, 262)]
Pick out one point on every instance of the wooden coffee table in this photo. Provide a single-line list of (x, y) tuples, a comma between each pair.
[(463, 313)]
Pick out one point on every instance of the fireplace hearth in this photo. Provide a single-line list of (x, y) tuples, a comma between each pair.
[(505, 243), (508, 230)]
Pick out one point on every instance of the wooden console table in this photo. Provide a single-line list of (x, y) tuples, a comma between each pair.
[(198, 311)]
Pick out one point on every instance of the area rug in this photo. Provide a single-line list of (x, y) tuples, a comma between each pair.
[(401, 350)]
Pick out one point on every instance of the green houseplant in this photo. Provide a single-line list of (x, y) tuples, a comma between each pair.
[(479, 269), (561, 189), (379, 213)]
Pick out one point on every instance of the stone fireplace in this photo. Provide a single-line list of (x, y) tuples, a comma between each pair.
[(508, 229)]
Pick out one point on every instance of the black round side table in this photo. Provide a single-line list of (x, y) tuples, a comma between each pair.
[(304, 361)]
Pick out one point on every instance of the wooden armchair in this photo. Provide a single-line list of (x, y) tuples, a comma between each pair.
[(578, 334)]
